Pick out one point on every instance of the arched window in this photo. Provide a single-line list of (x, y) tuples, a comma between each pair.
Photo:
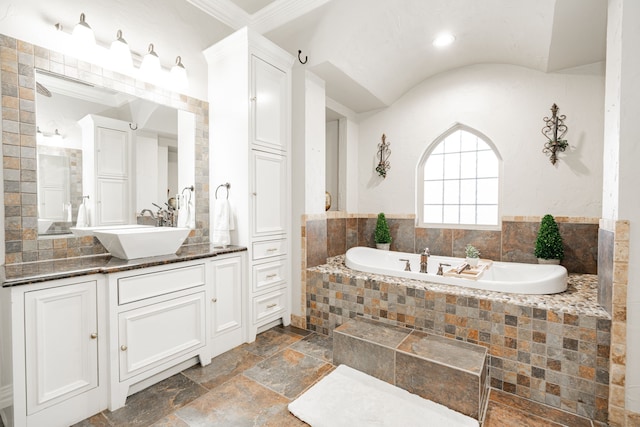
[(459, 180)]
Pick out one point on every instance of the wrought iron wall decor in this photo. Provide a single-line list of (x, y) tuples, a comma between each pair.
[(554, 129), (383, 157)]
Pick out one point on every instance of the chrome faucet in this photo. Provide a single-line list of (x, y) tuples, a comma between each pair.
[(143, 211), (407, 266), (424, 260)]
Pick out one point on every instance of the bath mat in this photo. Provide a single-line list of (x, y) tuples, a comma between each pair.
[(347, 397)]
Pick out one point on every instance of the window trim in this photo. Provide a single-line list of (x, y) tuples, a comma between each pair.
[(419, 202)]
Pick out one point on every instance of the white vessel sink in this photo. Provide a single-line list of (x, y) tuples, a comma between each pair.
[(141, 242), (90, 231)]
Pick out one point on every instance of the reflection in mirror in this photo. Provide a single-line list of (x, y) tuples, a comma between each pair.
[(119, 150)]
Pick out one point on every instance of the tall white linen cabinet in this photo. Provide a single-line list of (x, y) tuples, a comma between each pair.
[(250, 148)]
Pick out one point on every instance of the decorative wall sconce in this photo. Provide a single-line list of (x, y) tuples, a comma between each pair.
[(121, 58), (383, 157), (554, 129)]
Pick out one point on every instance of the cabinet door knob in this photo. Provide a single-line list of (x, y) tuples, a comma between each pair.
[(254, 98), (94, 336), (214, 299), (123, 347), (254, 193)]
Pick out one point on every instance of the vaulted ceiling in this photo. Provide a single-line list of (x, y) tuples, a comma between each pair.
[(369, 52)]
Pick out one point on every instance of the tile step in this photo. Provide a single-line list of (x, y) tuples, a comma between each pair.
[(444, 370)]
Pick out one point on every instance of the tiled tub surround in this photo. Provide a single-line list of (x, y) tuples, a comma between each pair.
[(552, 349), (332, 234), (18, 60)]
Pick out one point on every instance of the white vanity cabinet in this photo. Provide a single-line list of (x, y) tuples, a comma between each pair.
[(158, 317), (228, 307), (59, 351), (250, 110)]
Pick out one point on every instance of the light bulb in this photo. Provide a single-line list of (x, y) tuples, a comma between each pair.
[(83, 34), (120, 53), (179, 75), (150, 67)]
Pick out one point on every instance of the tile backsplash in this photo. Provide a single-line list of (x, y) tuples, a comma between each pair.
[(514, 242)]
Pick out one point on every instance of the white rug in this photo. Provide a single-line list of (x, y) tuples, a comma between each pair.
[(347, 397)]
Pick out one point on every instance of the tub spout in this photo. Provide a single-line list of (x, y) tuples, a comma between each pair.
[(424, 260)]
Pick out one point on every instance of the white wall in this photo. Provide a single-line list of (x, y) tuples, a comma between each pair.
[(332, 162), (507, 104)]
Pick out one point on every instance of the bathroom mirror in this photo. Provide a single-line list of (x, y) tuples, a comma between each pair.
[(150, 160)]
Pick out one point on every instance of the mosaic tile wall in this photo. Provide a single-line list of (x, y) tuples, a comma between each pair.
[(553, 351), (17, 63), (514, 243)]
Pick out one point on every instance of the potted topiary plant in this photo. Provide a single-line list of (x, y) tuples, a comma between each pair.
[(382, 235), (472, 254), (549, 249)]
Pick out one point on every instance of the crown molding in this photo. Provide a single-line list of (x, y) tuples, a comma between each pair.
[(224, 11), (281, 12)]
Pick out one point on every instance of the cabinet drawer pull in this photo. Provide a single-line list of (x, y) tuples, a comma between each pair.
[(123, 347), (272, 249), (94, 336), (214, 299), (271, 305), (271, 276)]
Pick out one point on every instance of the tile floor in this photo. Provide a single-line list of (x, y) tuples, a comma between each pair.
[(252, 385)]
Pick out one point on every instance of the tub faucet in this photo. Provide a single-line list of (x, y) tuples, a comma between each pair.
[(440, 272), (407, 266), (424, 260)]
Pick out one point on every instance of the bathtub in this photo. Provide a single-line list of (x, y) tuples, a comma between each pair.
[(512, 277)]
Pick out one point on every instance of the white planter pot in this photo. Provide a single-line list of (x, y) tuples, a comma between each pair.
[(383, 246), (548, 261), (473, 262)]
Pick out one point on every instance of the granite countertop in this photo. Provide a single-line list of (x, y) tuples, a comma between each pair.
[(41, 271)]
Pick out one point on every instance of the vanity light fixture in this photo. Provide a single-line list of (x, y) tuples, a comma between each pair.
[(83, 34), (39, 135), (119, 57), (150, 67), (56, 137), (179, 75), (120, 52), (444, 39)]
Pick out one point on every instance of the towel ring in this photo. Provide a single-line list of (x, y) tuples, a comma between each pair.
[(225, 185)]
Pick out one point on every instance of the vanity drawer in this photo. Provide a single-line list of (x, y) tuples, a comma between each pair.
[(270, 306), (268, 275), (135, 288), (269, 248)]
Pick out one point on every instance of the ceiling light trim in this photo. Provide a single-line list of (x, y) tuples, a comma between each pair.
[(224, 11)]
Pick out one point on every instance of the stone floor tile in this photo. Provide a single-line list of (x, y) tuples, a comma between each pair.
[(97, 420), (270, 342), (289, 372), (171, 420), (533, 408), (223, 367), (499, 415), (238, 402), (316, 345), (291, 330), (153, 403)]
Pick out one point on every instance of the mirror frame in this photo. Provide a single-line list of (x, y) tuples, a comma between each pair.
[(18, 62)]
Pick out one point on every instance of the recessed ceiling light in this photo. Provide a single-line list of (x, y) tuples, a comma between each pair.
[(444, 39)]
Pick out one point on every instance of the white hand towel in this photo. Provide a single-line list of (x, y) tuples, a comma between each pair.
[(221, 222), (183, 212), (191, 216), (83, 217)]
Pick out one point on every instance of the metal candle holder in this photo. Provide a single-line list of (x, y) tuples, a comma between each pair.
[(383, 157), (554, 129)]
